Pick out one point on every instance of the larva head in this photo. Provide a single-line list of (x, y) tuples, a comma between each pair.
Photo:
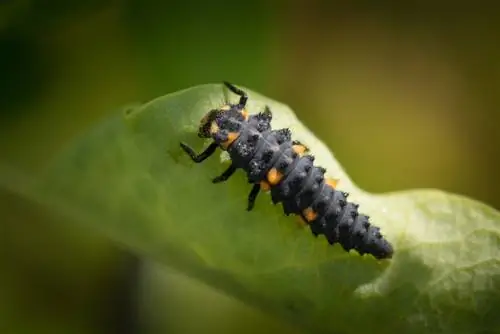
[(214, 119), (208, 123)]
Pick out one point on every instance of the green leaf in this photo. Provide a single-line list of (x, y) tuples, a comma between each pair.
[(129, 179)]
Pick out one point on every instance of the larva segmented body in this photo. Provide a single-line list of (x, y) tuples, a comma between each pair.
[(276, 163)]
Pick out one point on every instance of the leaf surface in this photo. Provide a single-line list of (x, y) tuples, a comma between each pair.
[(129, 178)]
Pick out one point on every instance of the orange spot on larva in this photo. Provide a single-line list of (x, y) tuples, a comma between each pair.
[(214, 127), (274, 177), (299, 149), (309, 214), (264, 186), (244, 112), (332, 182), (231, 137)]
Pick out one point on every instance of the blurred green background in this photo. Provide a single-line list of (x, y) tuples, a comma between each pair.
[(406, 96)]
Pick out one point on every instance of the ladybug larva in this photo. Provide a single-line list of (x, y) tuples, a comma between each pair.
[(274, 162)]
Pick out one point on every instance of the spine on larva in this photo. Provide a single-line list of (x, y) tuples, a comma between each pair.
[(305, 191), (341, 223)]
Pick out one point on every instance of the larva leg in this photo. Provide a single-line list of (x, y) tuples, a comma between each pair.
[(253, 196), (225, 175), (237, 91), (199, 157)]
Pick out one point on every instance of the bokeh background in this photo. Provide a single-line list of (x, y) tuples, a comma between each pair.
[(405, 95)]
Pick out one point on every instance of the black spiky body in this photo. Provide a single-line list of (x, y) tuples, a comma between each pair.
[(258, 150)]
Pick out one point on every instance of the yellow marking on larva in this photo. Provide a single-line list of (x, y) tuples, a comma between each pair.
[(244, 112), (274, 177), (214, 128), (264, 186), (299, 149), (309, 214), (225, 107), (231, 137), (332, 182)]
